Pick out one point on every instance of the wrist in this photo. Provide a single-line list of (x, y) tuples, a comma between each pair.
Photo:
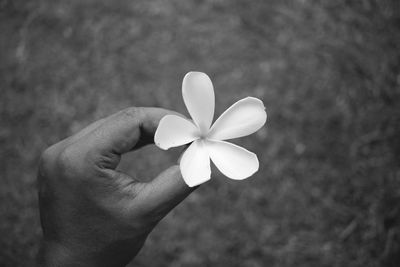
[(53, 254)]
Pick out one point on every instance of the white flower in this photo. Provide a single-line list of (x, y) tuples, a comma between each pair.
[(243, 118)]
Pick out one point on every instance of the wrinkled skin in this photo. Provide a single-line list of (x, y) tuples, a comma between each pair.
[(91, 214)]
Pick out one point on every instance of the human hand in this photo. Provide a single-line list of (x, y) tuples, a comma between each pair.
[(92, 214)]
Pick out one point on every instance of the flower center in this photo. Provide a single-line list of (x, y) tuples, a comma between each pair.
[(203, 136)]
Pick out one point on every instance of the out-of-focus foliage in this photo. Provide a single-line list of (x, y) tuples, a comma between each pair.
[(328, 189)]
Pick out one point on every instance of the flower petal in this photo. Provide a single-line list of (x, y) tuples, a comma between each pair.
[(244, 117), (195, 164), (234, 161), (199, 98), (175, 131)]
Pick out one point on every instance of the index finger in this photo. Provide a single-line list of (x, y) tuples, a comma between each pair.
[(130, 128)]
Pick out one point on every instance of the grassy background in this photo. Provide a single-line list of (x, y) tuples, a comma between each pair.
[(328, 189)]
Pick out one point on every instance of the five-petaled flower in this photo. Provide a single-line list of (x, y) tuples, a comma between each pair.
[(207, 142)]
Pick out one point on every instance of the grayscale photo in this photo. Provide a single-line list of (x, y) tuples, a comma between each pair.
[(196, 133)]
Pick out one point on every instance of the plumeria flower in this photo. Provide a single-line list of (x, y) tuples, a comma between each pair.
[(208, 142)]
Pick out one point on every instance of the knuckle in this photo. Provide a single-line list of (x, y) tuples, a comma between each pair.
[(65, 161), (47, 160), (135, 113), (131, 111)]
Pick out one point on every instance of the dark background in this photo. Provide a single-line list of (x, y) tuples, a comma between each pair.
[(328, 189)]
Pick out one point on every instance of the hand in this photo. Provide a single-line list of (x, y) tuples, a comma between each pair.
[(92, 214)]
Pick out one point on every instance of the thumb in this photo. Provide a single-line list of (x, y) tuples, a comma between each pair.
[(164, 192)]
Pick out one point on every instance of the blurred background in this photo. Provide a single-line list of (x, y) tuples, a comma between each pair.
[(328, 189)]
